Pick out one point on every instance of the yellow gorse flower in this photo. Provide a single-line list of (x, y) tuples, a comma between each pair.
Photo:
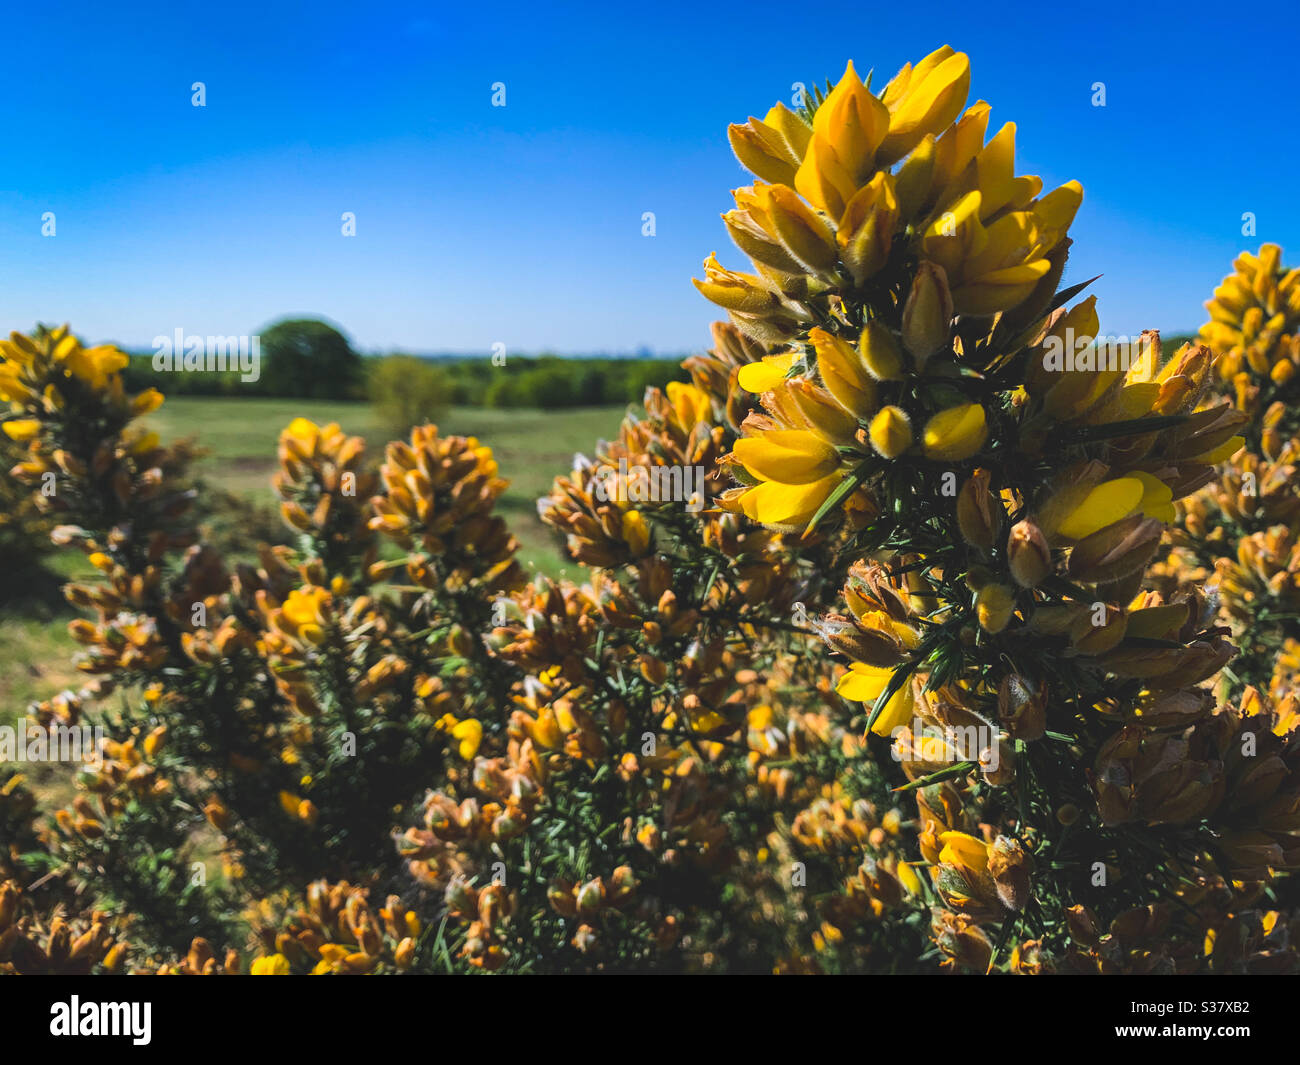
[(270, 965), (833, 208), (690, 405), (305, 614), (37, 372), (1254, 313), (955, 434), (469, 733), (890, 432), (767, 374), (879, 219), (787, 506), (864, 683), (796, 471), (791, 456)]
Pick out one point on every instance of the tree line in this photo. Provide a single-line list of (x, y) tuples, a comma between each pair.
[(308, 359)]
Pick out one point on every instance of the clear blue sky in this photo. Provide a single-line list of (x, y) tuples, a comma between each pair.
[(523, 224)]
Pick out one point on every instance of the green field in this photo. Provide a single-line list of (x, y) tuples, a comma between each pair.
[(532, 447)]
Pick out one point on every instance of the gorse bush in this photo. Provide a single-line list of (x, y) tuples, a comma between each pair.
[(270, 705), (24, 532), (1238, 534), (877, 664), (1009, 512), (289, 715)]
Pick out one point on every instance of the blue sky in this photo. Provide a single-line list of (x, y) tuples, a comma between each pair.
[(522, 225)]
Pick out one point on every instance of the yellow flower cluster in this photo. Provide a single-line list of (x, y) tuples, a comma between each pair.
[(875, 179), (437, 502), (1255, 322), (31, 945), (998, 506), (332, 930), (323, 485)]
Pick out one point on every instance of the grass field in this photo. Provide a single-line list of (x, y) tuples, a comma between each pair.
[(532, 447)]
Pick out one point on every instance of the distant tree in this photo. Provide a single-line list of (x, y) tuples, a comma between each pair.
[(308, 359), (503, 392), (591, 387), (550, 387), (406, 391)]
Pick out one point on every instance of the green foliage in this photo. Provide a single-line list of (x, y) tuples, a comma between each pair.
[(309, 359), (290, 368), (554, 383), (24, 530), (406, 391), (300, 359)]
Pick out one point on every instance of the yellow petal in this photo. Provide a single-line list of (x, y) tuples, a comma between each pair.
[(843, 373), (470, 734), (854, 122), (270, 965), (955, 434), (787, 505), (1156, 496), (1221, 453), (763, 376), (790, 456), (1107, 503), (879, 352), (1000, 290), (864, 683), (964, 851), (822, 179), (22, 428), (934, 94), (890, 432)]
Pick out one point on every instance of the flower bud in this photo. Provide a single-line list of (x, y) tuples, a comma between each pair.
[(927, 315), (978, 512), (890, 432), (404, 955), (1022, 707), (802, 232), (879, 352), (994, 604), (591, 896), (843, 373), (1115, 551), (955, 434), (874, 646), (1098, 630), (867, 227), (1028, 555), (1010, 865), (762, 151)]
